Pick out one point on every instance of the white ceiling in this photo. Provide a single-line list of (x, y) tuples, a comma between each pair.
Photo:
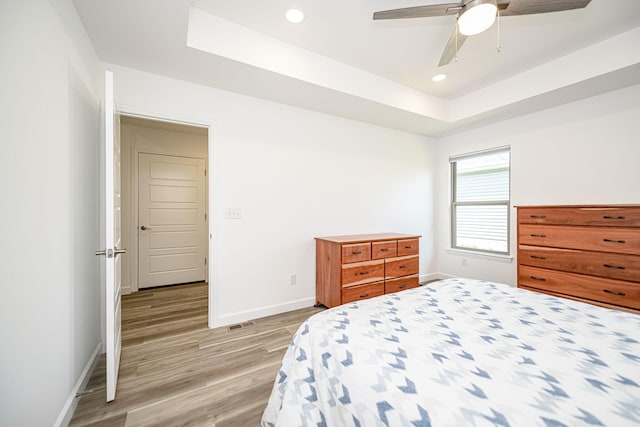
[(340, 61)]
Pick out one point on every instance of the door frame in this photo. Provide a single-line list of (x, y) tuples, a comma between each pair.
[(210, 271)]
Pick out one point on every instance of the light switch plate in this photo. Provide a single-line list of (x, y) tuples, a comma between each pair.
[(233, 213)]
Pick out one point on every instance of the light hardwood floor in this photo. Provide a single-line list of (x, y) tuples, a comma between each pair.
[(174, 371)]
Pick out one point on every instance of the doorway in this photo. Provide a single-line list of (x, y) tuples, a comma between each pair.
[(164, 203)]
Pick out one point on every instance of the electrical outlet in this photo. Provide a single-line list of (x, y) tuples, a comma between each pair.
[(233, 213), (293, 279)]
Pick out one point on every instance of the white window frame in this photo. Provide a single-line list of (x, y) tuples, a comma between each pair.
[(453, 241)]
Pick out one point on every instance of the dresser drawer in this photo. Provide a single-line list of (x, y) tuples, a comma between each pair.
[(387, 249), (611, 265), (626, 294), (356, 293), (400, 284), (362, 272), (604, 239), (408, 247), (356, 253), (598, 216), (402, 266)]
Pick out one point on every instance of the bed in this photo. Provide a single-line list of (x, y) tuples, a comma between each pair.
[(461, 352)]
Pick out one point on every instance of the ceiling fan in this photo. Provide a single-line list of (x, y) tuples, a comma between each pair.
[(476, 16)]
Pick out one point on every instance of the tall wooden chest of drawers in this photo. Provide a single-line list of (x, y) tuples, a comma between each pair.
[(351, 268), (585, 253)]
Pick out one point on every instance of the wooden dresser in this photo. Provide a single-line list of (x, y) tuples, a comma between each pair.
[(585, 253), (351, 268)]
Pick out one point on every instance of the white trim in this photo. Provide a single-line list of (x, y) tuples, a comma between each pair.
[(494, 150), (64, 418), (428, 277), (243, 316), (129, 110), (212, 253), (507, 259)]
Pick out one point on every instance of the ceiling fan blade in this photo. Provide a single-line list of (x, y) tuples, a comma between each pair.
[(530, 7), (450, 49), (419, 11)]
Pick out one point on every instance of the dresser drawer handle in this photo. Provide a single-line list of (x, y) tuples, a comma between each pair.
[(613, 217), (619, 267), (408, 247), (538, 235), (402, 286), (614, 241), (542, 279), (384, 249), (538, 216), (620, 294), (356, 253), (364, 272), (403, 266), (538, 257), (364, 296)]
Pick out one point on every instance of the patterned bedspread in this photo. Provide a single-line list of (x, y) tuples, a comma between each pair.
[(461, 352)]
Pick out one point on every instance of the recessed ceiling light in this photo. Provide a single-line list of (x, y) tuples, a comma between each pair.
[(439, 77), (295, 16)]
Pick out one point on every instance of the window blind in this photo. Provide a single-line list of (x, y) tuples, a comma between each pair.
[(480, 202)]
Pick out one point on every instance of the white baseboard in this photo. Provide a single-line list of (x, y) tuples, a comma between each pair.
[(126, 289), (243, 316), (428, 277), (72, 401)]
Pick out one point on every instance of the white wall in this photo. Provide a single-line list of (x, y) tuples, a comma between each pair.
[(49, 138), (295, 174), (586, 152)]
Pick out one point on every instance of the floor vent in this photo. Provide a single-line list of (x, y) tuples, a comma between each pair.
[(241, 325)]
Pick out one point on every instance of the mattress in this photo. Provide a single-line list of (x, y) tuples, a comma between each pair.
[(461, 352)]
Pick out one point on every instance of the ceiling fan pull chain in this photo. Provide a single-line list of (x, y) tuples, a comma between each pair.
[(457, 29), (498, 48)]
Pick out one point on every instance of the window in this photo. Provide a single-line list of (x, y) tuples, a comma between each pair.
[(480, 201)]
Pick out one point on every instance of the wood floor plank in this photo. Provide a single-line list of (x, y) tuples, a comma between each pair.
[(174, 371), (210, 402)]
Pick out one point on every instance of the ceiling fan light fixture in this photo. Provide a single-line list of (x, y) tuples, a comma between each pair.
[(295, 16), (477, 16)]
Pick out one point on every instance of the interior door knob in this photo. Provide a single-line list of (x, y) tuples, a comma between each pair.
[(144, 227)]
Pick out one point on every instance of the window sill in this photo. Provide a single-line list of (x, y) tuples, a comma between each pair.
[(489, 257)]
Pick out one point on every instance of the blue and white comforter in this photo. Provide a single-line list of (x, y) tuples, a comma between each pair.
[(461, 352)]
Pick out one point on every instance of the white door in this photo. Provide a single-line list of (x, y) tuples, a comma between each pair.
[(112, 232), (171, 220)]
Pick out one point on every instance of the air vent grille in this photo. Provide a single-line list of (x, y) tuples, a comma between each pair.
[(240, 325)]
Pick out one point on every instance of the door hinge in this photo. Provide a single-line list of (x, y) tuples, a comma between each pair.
[(205, 260), (205, 172), (205, 216)]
